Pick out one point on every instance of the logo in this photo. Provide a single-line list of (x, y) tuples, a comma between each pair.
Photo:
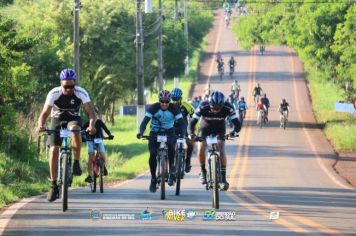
[(209, 215), (95, 214), (146, 215), (174, 215), (274, 215), (190, 214), (72, 101), (225, 216)]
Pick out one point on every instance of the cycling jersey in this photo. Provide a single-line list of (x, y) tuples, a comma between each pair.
[(232, 63), (66, 107), (265, 102), (257, 91), (210, 119), (242, 106), (99, 126), (261, 106), (284, 106), (235, 86), (162, 119), (186, 109)]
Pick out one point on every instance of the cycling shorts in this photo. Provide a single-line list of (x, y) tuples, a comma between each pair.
[(55, 140), (90, 145)]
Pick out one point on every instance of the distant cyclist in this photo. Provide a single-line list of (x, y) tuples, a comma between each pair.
[(163, 115), (187, 111), (284, 109), (218, 57), (235, 88), (232, 64), (257, 92), (242, 106), (265, 101)]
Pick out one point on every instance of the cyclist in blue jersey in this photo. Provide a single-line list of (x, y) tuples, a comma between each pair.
[(163, 115), (242, 106)]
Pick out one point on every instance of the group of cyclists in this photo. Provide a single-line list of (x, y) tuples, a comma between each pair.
[(220, 64), (176, 117), (170, 114)]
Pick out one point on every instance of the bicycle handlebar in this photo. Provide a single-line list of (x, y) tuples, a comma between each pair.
[(221, 137)]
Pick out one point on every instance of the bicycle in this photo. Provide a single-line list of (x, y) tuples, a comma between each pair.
[(261, 117), (221, 72), (98, 165), (283, 119), (232, 70), (214, 178), (180, 162), (162, 161), (65, 175)]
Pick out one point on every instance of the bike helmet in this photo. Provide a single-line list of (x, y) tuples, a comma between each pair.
[(164, 95), (242, 98), (176, 94), (216, 99), (283, 100), (68, 74)]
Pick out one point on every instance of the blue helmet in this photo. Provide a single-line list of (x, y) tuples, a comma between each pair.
[(216, 99), (176, 94), (68, 74)]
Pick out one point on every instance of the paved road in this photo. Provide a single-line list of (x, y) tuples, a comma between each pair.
[(270, 169)]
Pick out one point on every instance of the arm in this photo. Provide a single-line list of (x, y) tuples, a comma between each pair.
[(46, 111), (92, 117), (144, 124)]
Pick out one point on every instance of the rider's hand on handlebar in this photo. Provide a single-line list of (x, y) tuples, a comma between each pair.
[(111, 137), (91, 130), (40, 128), (139, 136), (192, 136)]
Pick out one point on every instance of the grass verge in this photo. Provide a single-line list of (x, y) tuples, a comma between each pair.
[(340, 128)]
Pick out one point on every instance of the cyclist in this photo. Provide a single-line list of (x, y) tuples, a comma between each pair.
[(242, 106), (63, 104), (260, 106), (235, 88), (257, 91), (227, 19), (265, 102), (221, 65), (99, 126), (212, 115), (187, 111), (227, 7), (163, 115), (232, 64), (284, 109), (218, 57)]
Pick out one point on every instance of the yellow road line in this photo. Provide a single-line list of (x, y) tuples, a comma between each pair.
[(244, 141)]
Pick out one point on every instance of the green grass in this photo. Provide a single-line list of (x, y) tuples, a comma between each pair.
[(340, 128)]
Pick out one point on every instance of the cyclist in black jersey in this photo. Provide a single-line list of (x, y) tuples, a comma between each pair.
[(63, 104), (212, 115)]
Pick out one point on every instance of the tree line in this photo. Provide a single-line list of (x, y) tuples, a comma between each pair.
[(323, 34), (36, 42)]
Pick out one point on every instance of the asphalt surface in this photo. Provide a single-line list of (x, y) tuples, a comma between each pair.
[(288, 172)]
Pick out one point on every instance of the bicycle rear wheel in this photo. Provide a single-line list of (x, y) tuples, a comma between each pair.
[(215, 182), (101, 181), (180, 169), (93, 184), (65, 167)]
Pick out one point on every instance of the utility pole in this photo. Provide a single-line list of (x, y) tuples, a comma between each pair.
[(76, 37), (139, 64), (186, 71), (160, 57), (176, 10)]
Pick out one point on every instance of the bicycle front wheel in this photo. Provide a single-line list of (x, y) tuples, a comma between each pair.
[(180, 169), (65, 167), (162, 158), (214, 181), (101, 181)]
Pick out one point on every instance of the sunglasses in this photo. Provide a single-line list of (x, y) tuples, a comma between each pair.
[(164, 101), (215, 108), (67, 87)]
